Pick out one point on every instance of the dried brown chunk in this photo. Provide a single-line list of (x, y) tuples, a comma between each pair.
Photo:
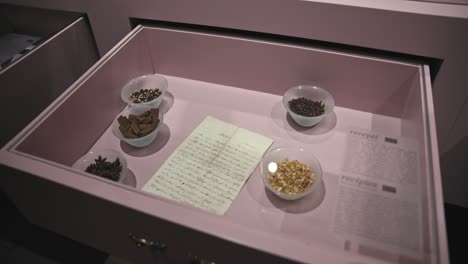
[(136, 126)]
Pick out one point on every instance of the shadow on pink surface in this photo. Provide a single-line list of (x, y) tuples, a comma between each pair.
[(324, 126), (300, 206), (167, 102), (130, 179), (283, 120)]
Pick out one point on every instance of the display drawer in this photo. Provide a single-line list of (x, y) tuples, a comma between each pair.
[(380, 200), (42, 52)]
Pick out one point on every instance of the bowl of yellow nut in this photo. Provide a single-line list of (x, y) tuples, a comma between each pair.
[(290, 173)]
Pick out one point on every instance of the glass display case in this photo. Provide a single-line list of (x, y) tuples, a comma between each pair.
[(379, 200)]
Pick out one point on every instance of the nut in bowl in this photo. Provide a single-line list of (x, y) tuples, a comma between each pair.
[(290, 173), (147, 90), (308, 104), (138, 126), (104, 163)]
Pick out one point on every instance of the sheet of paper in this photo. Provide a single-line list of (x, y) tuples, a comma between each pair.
[(379, 197), (210, 167)]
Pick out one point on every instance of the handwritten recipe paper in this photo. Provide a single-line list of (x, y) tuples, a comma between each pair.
[(210, 167)]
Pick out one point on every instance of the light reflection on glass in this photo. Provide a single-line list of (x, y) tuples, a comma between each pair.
[(272, 167)]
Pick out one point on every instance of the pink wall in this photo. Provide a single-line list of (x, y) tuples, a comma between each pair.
[(418, 28), (365, 84)]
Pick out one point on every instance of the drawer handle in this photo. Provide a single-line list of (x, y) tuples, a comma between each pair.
[(143, 242)]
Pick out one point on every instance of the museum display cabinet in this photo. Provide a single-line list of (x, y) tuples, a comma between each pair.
[(380, 199)]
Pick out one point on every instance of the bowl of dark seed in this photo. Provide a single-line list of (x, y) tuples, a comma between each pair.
[(106, 163), (308, 104), (138, 126), (146, 90)]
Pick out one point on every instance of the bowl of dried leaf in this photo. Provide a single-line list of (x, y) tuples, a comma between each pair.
[(290, 173), (105, 163)]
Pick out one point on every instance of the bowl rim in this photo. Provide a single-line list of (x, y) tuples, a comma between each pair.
[(309, 86), (318, 176), (99, 152), (129, 83), (115, 123)]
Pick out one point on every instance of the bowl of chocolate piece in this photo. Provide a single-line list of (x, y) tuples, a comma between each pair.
[(138, 126), (106, 163), (308, 104), (147, 90), (290, 173)]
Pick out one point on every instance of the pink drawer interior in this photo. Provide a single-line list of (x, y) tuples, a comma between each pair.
[(241, 81)]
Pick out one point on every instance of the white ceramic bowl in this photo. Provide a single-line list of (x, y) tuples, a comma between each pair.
[(313, 93), (150, 81), (142, 141), (111, 155), (272, 158)]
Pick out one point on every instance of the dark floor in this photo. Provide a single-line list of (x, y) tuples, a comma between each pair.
[(456, 219), (21, 242)]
